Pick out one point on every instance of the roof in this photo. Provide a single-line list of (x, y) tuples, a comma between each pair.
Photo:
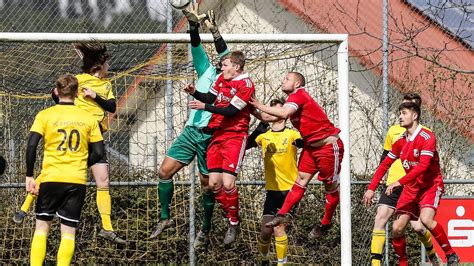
[(446, 98)]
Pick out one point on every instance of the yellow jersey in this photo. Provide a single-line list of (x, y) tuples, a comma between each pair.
[(67, 131), (396, 171), (279, 158), (103, 88)]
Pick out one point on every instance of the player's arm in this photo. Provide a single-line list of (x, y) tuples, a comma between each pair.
[(108, 105), (208, 97), (262, 116), (426, 155), (261, 128), (96, 152), (219, 43), (32, 144), (282, 112)]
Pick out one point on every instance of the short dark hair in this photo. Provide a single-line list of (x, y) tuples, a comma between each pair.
[(414, 97), (94, 55), (277, 101), (67, 86), (411, 106), (236, 57), (299, 77)]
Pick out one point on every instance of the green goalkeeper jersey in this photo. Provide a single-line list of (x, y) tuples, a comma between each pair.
[(207, 75)]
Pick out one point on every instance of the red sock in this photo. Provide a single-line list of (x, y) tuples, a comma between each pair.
[(399, 245), (232, 196), (294, 196), (332, 200), (220, 197), (440, 236)]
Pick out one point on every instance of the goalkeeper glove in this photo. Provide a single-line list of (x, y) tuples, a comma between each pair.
[(192, 14), (211, 24)]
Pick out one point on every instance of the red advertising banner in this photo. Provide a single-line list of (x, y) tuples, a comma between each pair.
[(456, 216)]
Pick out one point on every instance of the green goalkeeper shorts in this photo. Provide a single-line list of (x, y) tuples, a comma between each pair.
[(192, 142)]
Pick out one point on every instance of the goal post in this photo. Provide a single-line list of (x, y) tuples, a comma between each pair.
[(343, 101)]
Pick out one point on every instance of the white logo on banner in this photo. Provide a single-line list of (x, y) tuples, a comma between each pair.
[(462, 229)]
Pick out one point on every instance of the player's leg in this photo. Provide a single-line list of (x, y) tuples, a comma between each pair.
[(69, 212), (398, 238), (270, 207), (429, 203), (281, 244), (208, 201), (179, 154), (424, 236), (38, 243), (384, 212), (232, 199), (328, 160)]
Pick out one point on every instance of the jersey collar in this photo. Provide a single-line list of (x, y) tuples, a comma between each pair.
[(418, 129), (66, 103), (241, 76)]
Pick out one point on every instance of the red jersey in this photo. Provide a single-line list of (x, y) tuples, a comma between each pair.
[(237, 92), (309, 118), (419, 158)]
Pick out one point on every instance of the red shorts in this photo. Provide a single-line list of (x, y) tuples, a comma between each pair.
[(226, 152), (325, 159), (411, 202)]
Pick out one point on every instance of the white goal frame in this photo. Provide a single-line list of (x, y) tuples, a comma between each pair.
[(342, 82)]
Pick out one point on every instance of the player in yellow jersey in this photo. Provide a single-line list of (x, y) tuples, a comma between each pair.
[(386, 205), (279, 155), (72, 140), (96, 97)]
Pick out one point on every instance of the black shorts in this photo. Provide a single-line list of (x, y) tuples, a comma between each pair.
[(390, 201), (64, 200), (273, 202), (104, 158)]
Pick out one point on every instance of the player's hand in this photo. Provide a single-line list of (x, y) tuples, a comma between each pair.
[(210, 21), (196, 105), (253, 101), (89, 93), (368, 197), (392, 187), (192, 14), (190, 89), (31, 185)]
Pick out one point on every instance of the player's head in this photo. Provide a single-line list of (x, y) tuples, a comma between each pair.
[(3, 165), (278, 102), (66, 87), (233, 64), (412, 97), (94, 58), (410, 113), (292, 81)]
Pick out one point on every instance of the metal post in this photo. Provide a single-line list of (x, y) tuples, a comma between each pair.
[(169, 82), (345, 176), (385, 97)]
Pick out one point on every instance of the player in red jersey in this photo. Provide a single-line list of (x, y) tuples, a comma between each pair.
[(229, 125), (322, 152), (422, 185)]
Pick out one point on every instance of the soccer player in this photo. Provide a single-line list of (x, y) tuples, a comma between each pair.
[(72, 140), (422, 185), (96, 97), (193, 141), (229, 126), (386, 205), (279, 155), (322, 151)]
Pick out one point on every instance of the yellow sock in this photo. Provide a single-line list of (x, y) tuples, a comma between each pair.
[(66, 249), (263, 246), (376, 246), (281, 246), (38, 248), (27, 203), (104, 205), (425, 238)]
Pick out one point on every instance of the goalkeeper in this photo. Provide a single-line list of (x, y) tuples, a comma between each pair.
[(194, 139)]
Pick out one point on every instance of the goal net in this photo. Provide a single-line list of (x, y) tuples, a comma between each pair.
[(148, 74)]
